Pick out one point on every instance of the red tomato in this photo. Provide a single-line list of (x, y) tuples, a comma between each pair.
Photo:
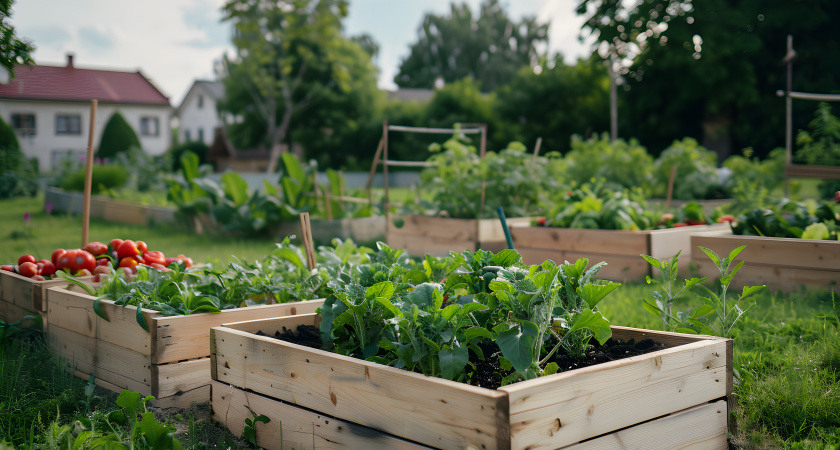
[(85, 261), (126, 249), (128, 262), (26, 258), (694, 222), (115, 244), (680, 224), (96, 248), (8, 267), (28, 269), (38, 278), (153, 257), (541, 221), (47, 267), (142, 246), (103, 262), (169, 261), (56, 254), (67, 261), (187, 261), (160, 267)]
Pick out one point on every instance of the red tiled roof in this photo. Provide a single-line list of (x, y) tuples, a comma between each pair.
[(50, 83)]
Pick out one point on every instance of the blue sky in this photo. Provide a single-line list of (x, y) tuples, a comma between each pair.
[(174, 42)]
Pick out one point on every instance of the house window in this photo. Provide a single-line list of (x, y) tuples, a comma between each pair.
[(200, 101), (201, 135), (149, 126), (187, 136), (68, 124), (24, 124)]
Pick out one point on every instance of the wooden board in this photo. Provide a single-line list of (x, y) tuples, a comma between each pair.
[(778, 252), (618, 268), (585, 403), (26, 292), (437, 236), (699, 428), (12, 313), (774, 277), (294, 427), (180, 400), (170, 339)]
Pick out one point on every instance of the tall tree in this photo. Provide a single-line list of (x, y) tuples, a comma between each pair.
[(489, 47), (291, 55), (13, 50)]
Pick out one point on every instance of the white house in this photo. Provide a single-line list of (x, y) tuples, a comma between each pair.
[(198, 114), (49, 108)]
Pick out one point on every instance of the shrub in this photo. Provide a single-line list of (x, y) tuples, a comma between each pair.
[(117, 137), (696, 176), (14, 184), (621, 164), (104, 178), (176, 152), (820, 144), (10, 153)]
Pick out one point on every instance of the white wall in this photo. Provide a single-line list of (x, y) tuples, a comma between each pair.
[(194, 118), (46, 141)]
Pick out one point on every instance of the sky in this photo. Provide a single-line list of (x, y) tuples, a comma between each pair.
[(174, 42)]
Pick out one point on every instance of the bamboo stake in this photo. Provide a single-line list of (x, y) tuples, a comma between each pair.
[(483, 140), (341, 191), (375, 163), (536, 150), (328, 201), (88, 175), (670, 187), (385, 166), (306, 235)]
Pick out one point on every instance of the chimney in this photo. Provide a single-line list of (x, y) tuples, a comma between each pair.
[(69, 60)]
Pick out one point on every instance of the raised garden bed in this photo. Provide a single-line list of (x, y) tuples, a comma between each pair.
[(109, 209), (550, 412), (22, 296), (361, 230), (619, 248), (778, 263), (171, 359), (436, 236)]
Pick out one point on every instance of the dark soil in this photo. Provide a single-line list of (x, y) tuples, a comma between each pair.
[(488, 373)]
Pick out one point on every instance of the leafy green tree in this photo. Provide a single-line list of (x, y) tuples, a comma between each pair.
[(291, 58), (556, 103), (117, 137), (13, 50), (10, 153), (489, 47)]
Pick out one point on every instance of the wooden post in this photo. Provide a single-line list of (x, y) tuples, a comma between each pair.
[(306, 236), (375, 163), (328, 202), (88, 175), (536, 150), (670, 187), (385, 166), (790, 55), (341, 191), (483, 148)]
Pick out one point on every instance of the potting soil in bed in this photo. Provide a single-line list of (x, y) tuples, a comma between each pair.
[(488, 373)]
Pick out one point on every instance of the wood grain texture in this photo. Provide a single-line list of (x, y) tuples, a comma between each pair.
[(184, 399), (610, 242), (26, 292), (294, 427), (774, 277), (73, 311), (428, 410), (175, 378), (444, 227), (778, 252), (667, 242), (699, 428), (565, 408), (187, 337)]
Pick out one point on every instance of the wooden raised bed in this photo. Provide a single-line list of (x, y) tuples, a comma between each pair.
[(364, 229), (170, 359), (109, 209), (438, 235), (620, 249), (778, 263), (549, 412)]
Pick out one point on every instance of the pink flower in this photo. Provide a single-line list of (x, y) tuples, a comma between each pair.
[(837, 196), (48, 208), (26, 217)]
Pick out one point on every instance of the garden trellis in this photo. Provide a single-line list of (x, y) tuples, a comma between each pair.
[(801, 170)]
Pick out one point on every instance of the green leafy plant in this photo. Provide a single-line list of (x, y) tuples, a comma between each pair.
[(104, 177), (622, 164), (249, 433), (820, 144), (696, 176), (789, 219)]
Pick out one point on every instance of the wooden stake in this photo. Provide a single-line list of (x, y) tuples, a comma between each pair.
[(536, 150), (483, 149), (670, 187), (375, 162), (385, 166), (328, 202), (341, 191), (306, 235), (88, 175)]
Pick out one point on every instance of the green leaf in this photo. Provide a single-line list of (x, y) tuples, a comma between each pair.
[(749, 291), (594, 293), (383, 289), (501, 286), (453, 360), (506, 258), (735, 252), (517, 344), (389, 306), (140, 318), (711, 254), (594, 322), (704, 310), (651, 308), (235, 188), (424, 295), (97, 308), (701, 327), (432, 344), (551, 368), (652, 261), (477, 332)]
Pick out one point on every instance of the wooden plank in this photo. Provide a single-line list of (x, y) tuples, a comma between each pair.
[(490, 230), (667, 242), (13, 313), (294, 427), (422, 226), (619, 267), (566, 408), (428, 410), (187, 337), (26, 292), (702, 428), (813, 171), (774, 277), (270, 325), (784, 252), (613, 242), (666, 338), (174, 378), (74, 311), (116, 365), (184, 399), (435, 246)]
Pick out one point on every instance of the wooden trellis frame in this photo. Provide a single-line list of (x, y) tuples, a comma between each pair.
[(801, 170), (381, 156)]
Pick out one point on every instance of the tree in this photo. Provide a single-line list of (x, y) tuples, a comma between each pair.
[(10, 153), (13, 50), (554, 103), (291, 57), (117, 137), (490, 48)]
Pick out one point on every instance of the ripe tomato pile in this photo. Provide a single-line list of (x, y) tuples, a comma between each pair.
[(94, 259)]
